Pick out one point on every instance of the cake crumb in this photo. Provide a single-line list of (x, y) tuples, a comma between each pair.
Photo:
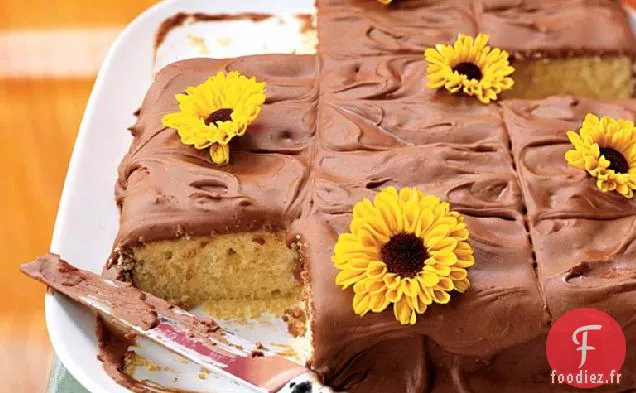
[(296, 321), (133, 360), (199, 43), (210, 326), (224, 41), (287, 351), (203, 373)]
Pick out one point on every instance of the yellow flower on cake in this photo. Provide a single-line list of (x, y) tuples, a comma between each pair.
[(404, 249), (606, 149), (469, 66), (385, 2), (214, 112)]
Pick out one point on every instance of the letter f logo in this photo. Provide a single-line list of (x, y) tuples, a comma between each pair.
[(583, 343), (571, 338)]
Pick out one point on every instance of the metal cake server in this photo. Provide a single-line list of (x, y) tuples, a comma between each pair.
[(200, 341)]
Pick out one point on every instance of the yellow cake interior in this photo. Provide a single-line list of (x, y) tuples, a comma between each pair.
[(590, 76), (235, 276)]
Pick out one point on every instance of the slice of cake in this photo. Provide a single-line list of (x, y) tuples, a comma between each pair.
[(358, 118), (192, 232), (559, 47)]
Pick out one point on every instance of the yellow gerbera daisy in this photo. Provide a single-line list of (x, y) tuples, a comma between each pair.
[(214, 112), (469, 66), (405, 248), (606, 149)]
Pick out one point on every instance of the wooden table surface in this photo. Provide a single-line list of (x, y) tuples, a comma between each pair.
[(49, 55)]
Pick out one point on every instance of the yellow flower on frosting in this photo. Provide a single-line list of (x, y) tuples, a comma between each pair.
[(214, 112), (606, 149), (469, 66), (385, 2), (406, 249)]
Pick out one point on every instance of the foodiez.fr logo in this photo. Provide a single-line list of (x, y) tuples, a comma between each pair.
[(586, 348)]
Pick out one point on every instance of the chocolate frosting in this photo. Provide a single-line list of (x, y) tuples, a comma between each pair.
[(524, 27), (126, 302), (339, 126), (167, 189), (539, 142)]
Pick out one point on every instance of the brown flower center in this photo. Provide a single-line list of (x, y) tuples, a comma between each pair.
[(404, 254), (223, 114), (471, 70), (618, 163)]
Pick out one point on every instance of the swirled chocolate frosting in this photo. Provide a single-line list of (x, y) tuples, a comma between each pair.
[(339, 126)]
